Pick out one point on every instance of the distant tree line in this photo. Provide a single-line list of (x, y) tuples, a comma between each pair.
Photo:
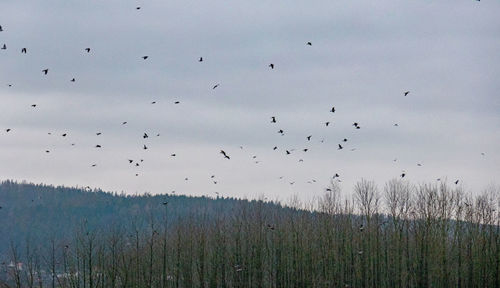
[(430, 235)]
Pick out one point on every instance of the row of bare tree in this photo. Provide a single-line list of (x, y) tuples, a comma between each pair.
[(431, 235)]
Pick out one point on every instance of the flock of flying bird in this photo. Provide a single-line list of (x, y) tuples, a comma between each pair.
[(273, 120)]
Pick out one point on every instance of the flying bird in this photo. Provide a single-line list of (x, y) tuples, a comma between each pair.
[(456, 182), (98, 133), (33, 105), (200, 60), (145, 147), (271, 65), (1, 29), (224, 153), (309, 138), (88, 50), (403, 175), (327, 123), (8, 129), (273, 119), (407, 92), (24, 50), (4, 47), (340, 147), (145, 136), (309, 43), (45, 71), (98, 146), (73, 80), (145, 57), (215, 86), (333, 109)]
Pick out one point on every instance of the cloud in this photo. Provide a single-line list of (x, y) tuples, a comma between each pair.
[(364, 56)]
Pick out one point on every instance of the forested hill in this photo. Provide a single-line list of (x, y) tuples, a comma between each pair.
[(39, 212)]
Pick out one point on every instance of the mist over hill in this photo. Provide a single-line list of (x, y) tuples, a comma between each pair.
[(42, 212)]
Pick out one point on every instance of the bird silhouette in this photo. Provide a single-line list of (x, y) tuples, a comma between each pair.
[(309, 43), (456, 182), (287, 152), (98, 133), (73, 80), (340, 147), (145, 136), (309, 138), (8, 129), (200, 60), (224, 153), (130, 161), (273, 119), (23, 50), (327, 123), (33, 105), (406, 93), (145, 147), (45, 71), (177, 102), (271, 65), (215, 86), (138, 8), (98, 146), (332, 110), (4, 47), (1, 29), (145, 57), (88, 50), (64, 135), (345, 140), (403, 175)]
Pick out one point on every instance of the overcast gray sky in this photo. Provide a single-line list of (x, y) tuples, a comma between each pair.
[(364, 55)]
